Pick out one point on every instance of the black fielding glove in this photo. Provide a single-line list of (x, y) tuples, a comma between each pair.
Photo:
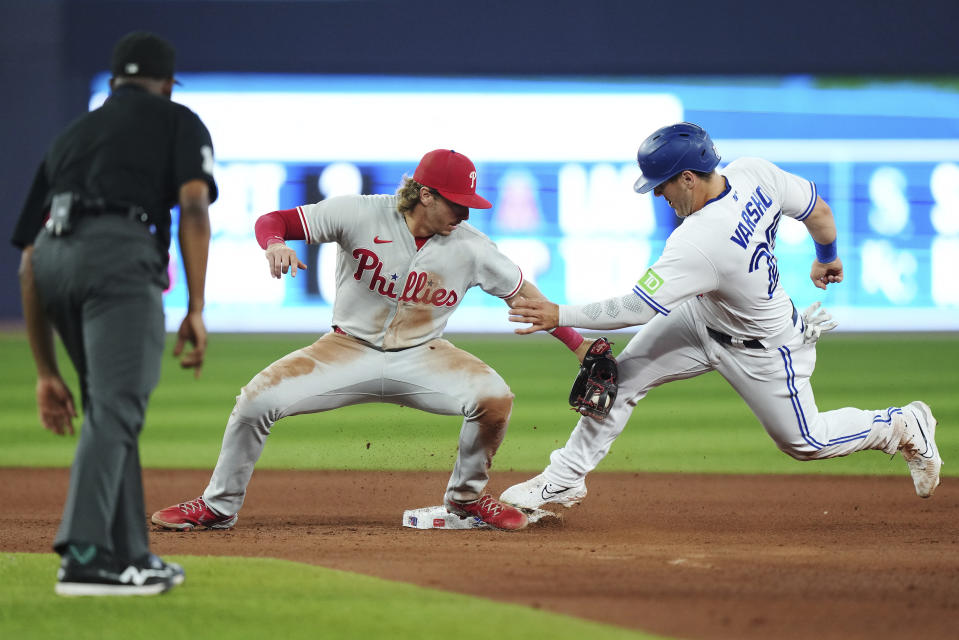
[(594, 389)]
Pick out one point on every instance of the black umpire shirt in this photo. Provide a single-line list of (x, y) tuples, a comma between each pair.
[(137, 149)]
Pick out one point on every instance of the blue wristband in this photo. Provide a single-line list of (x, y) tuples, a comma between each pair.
[(826, 253)]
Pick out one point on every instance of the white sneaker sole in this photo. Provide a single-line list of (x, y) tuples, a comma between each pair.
[(94, 589)]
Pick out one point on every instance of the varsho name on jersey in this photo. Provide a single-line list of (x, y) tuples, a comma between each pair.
[(758, 204)]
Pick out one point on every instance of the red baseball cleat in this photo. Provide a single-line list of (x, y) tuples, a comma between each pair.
[(491, 511), (187, 516)]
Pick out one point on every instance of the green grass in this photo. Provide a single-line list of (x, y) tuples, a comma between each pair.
[(225, 597), (699, 425)]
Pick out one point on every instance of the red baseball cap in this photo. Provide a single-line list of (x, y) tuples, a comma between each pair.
[(453, 175)]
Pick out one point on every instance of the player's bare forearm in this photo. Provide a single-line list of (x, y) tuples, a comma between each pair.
[(822, 228), (527, 291), (820, 223)]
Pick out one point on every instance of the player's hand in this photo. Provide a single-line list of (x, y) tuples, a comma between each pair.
[(55, 405), (191, 330), (282, 259), (824, 274), (542, 315)]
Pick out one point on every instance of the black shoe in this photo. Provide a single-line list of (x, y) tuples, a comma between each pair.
[(102, 577)]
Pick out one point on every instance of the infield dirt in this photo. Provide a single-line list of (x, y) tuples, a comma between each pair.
[(686, 556)]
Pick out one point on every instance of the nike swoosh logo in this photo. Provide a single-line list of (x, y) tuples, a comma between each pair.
[(927, 453), (377, 240), (547, 494)]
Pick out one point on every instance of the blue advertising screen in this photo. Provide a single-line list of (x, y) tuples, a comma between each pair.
[(557, 160)]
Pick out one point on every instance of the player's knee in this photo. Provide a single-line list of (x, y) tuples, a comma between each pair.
[(492, 419), (256, 401), (800, 450), (493, 410), (498, 409), (263, 396)]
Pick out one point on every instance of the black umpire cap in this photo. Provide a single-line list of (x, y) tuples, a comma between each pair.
[(143, 54)]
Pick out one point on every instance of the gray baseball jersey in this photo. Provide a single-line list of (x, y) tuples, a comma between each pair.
[(393, 300), (390, 294)]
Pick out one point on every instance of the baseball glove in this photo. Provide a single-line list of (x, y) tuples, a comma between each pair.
[(596, 385)]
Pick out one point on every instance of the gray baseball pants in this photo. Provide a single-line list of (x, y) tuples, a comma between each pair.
[(101, 288)]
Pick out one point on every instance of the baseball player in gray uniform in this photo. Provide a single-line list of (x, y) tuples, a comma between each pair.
[(404, 264), (712, 301)]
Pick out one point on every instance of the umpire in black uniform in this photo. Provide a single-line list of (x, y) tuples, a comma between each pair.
[(95, 234)]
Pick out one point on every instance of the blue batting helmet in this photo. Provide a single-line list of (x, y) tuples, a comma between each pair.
[(672, 150)]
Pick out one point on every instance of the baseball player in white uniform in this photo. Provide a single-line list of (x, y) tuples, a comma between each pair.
[(404, 264), (712, 301)]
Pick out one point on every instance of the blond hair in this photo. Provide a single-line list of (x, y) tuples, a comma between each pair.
[(407, 195)]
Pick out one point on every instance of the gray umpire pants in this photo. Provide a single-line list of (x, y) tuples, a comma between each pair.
[(101, 288)]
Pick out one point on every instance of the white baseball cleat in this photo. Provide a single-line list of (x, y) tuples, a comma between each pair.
[(536, 492), (918, 447)]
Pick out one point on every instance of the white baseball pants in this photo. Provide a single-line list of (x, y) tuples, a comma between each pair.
[(774, 383)]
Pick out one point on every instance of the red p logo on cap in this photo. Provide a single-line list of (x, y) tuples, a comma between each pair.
[(453, 175)]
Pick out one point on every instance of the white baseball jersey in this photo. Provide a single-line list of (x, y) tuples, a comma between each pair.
[(723, 255), (388, 293), (724, 252)]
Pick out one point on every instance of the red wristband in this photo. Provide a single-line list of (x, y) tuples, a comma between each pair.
[(568, 336)]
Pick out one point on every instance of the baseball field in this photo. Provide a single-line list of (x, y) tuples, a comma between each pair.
[(696, 526)]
